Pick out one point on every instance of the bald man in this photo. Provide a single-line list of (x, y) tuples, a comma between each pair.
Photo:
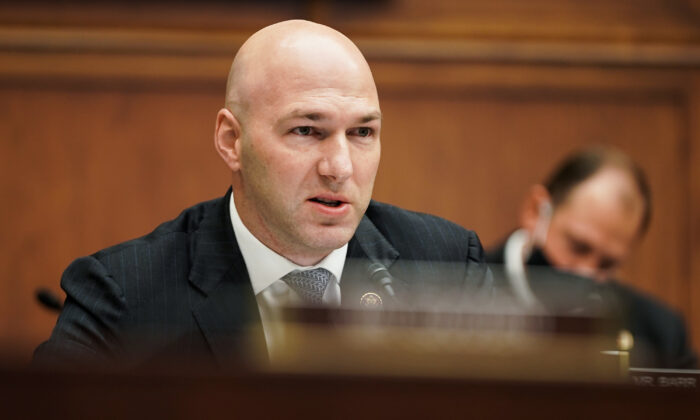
[(584, 221), (300, 133)]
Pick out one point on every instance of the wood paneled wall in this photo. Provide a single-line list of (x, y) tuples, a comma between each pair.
[(107, 114)]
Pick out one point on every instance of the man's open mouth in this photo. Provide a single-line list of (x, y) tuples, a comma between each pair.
[(329, 203)]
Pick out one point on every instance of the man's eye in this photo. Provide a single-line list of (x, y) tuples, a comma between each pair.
[(362, 131), (579, 248), (303, 131), (607, 264)]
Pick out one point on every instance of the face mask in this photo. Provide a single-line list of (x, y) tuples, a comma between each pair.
[(537, 257), (539, 233)]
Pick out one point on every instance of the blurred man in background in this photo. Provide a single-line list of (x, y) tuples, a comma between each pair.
[(584, 221)]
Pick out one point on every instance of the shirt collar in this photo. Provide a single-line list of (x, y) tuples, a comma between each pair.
[(265, 266)]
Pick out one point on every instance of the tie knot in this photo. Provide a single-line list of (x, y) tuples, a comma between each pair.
[(310, 285)]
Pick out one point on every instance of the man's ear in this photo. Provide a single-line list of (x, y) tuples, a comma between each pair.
[(537, 202), (227, 138)]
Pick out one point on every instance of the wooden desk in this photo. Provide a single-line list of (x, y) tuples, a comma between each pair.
[(25, 394)]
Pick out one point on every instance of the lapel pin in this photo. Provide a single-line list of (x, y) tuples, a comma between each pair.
[(371, 300)]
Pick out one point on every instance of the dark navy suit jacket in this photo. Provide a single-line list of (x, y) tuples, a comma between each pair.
[(660, 338), (182, 293)]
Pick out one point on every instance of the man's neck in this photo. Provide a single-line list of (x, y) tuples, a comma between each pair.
[(256, 228)]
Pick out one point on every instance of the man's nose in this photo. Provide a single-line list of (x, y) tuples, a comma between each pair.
[(336, 162)]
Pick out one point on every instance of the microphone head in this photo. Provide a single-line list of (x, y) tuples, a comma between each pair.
[(48, 299), (376, 269), (378, 274)]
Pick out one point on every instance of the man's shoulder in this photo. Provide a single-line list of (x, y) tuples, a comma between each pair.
[(659, 331), (179, 229), (148, 265), (421, 235), (383, 215), (644, 304)]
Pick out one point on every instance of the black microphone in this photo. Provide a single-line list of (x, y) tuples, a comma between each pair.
[(48, 299), (379, 275)]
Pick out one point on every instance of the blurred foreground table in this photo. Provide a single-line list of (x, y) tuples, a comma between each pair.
[(28, 394)]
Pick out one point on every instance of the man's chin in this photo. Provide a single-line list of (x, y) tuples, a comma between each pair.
[(330, 237)]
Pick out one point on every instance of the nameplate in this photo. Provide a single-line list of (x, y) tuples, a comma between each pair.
[(665, 378), (525, 323)]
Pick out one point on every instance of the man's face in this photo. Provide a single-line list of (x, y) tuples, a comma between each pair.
[(309, 156), (592, 232)]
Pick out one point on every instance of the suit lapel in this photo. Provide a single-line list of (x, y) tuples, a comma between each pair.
[(367, 246), (228, 313)]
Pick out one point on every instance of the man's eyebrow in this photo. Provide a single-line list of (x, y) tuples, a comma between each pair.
[(313, 116), (318, 116), (371, 117)]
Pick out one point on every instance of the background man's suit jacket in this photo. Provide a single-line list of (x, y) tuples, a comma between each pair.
[(183, 292), (660, 338)]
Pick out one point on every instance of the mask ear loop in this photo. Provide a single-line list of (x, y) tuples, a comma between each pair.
[(539, 233), (517, 251)]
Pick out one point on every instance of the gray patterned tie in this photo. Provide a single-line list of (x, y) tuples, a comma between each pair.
[(309, 284)]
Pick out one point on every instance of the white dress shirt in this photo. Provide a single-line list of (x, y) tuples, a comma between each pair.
[(266, 268)]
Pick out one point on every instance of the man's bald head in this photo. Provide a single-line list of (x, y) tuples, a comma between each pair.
[(633, 188), (301, 135), (293, 54)]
